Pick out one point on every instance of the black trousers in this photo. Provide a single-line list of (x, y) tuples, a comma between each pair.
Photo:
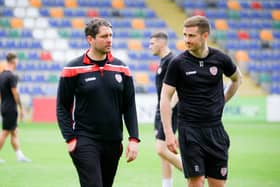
[(96, 161)]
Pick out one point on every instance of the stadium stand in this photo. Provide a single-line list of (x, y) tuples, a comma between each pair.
[(249, 31), (47, 33)]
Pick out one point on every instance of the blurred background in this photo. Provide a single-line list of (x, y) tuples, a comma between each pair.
[(46, 34)]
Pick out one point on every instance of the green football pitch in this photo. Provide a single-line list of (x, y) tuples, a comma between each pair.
[(254, 159)]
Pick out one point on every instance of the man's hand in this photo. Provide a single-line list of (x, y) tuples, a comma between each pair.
[(171, 142), (21, 114), (72, 145), (131, 151)]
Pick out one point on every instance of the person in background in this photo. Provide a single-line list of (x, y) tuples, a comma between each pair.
[(197, 76), (95, 94), (158, 45), (10, 104)]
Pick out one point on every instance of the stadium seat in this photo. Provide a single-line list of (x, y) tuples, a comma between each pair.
[(276, 14), (233, 5), (92, 13), (70, 4), (180, 45), (45, 56), (256, 5), (118, 4), (16, 23), (138, 23), (221, 24), (198, 12), (78, 23), (56, 12), (134, 45), (19, 12), (35, 3), (241, 56), (32, 12), (243, 35), (266, 35), (141, 78)]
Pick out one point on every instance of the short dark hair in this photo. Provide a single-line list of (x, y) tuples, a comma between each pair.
[(10, 57), (200, 21), (92, 27), (160, 35)]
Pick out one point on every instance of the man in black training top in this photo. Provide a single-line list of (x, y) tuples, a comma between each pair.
[(95, 93), (159, 47), (10, 103), (197, 76)]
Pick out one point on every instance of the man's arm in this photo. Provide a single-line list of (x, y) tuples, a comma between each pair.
[(17, 100), (130, 118), (235, 81), (64, 107), (165, 111)]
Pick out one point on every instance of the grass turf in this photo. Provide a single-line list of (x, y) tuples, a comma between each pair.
[(254, 159)]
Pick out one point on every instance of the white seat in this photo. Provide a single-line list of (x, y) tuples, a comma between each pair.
[(51, 34), (32, 12), (39, 33), (10, 3), (29, 22), (61, 44), (42, 23), (19, 12), (48, 44), (22, 3), (58, 56)]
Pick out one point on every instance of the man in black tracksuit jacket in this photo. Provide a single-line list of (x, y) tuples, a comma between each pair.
[(95, 93)]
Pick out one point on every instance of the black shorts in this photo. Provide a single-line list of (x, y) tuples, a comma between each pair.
[(159, 127), (9, 120), (204, 151), (96, 161)]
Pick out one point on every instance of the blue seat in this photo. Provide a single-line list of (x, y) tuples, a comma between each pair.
[(7, 12), (24, 90), (145, 44), (3, 33), (120, 44), (33, 55), (275, 4), (44, 12), (155, 23), (35, 44), (121, 34), (150, 13), (245, 4), (37, 90), (254, 34), (60, 23), (53, 3), (222, 4), (142, 67), (26, 33), (104, 4), (77, 34), (151, 89), (40, 78), (147, 33), (29, 67), (267, 5), (10, 44), (276, 34), (124, 23), (26, 78), (135, 3)]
